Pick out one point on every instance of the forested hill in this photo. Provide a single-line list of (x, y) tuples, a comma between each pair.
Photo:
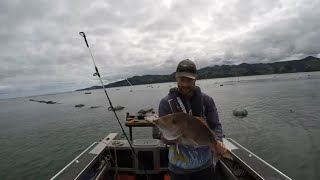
[(307, 64)]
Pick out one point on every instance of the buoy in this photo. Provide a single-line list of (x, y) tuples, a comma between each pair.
[(240, 113), (79, 105)]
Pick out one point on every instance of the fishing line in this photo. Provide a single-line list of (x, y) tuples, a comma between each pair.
[(98, 74)]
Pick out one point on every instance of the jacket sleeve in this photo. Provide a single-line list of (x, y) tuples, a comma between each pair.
[(212, 116), (164, 108), (162, 111)]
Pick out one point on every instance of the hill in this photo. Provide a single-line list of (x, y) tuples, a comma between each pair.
[(307, 64)]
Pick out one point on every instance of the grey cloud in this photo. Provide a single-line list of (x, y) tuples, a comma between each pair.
[(41, 50)]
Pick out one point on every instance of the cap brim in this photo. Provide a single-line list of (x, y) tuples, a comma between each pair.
[(186, 74)]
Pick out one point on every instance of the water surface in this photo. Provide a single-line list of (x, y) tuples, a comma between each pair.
[(283, 126)]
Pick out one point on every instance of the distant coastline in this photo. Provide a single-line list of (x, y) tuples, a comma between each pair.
[(308, 64)]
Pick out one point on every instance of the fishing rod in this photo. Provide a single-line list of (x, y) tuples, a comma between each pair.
[(129, 82), (125, 134)]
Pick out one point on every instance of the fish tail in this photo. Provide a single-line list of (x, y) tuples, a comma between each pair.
[(227, 155)]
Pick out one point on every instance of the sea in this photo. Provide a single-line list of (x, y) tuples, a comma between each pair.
[(282, 127)]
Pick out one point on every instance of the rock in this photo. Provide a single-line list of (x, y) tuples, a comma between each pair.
[(51, 102), (47, 102), (116, 108), (79, 105), (145, 111), (240, 113), (93, 107)]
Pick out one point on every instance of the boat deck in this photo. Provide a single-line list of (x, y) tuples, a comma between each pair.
[(103, 159), (257, 167)]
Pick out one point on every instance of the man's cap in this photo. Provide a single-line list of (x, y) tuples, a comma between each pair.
[(186, 68)]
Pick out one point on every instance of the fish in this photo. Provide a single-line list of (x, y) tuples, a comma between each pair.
[(188, 130)]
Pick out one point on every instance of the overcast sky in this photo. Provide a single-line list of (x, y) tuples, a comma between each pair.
[(41, 50)]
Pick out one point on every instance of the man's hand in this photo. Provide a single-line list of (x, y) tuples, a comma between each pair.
[(220, 148)]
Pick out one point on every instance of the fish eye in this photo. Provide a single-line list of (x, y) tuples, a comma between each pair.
[(174, 121)]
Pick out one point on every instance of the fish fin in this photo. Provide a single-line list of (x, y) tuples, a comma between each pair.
[(177, 148), (194, 142), (203, 121)]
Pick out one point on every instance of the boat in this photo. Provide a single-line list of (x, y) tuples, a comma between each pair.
[(112, 158)]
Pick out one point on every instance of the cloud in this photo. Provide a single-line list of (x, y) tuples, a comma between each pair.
[(42, 52)]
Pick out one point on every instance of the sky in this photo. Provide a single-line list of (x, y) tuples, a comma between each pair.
[(42, 52)]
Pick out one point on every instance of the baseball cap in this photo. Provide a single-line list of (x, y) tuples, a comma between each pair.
[(186, 68)]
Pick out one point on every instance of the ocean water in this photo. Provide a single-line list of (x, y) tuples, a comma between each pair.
[(282, 127)]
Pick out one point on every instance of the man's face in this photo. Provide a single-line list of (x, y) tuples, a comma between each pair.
[(186, 85)]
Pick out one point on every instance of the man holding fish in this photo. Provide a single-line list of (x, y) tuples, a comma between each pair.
[(189, 123)]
